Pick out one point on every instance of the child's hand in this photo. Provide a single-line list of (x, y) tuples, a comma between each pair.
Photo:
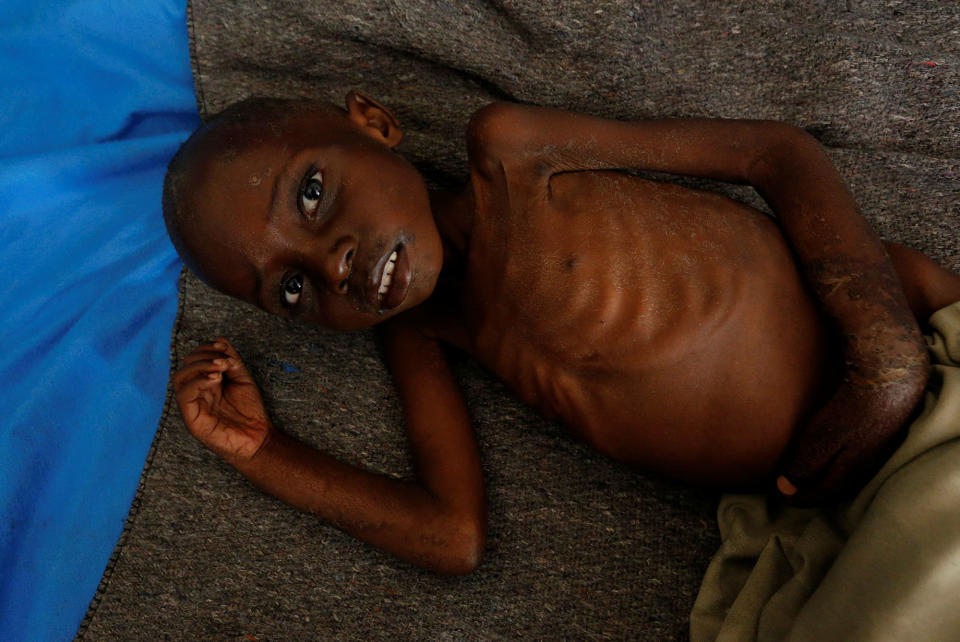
[(845, 441), (220, 402)]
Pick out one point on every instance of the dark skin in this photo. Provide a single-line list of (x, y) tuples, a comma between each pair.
[(667, 327)]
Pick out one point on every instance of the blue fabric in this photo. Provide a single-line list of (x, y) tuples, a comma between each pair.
[(96, 96)]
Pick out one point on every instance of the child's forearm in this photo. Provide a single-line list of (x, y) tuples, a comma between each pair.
[(843, 260), (847, 267), (402, 518), (438, 522)]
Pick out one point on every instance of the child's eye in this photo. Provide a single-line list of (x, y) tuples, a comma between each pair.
[(292, 288), (312, 191)]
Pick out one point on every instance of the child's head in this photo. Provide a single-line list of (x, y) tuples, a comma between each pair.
[(302, 208)]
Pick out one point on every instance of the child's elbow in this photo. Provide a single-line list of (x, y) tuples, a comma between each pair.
[(460, 549), (783, 149), (468, 548)]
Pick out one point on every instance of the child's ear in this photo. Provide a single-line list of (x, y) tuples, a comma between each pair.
[(373, 118)]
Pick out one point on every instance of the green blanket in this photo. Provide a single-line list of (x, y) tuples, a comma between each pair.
[(885, 566)]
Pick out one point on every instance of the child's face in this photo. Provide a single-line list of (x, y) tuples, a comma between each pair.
[(316, 219)]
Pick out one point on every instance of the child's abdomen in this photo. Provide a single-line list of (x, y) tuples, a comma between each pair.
[(667, 327)]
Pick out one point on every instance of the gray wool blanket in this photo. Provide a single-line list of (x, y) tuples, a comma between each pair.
[(579, 547)]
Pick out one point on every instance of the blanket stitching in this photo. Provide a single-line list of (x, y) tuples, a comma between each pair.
[(138, 495)]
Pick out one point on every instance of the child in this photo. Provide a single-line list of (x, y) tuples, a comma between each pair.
[(668, 327)]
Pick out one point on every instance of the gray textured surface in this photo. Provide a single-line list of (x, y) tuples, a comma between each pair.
[(579, 547), (577, 544)]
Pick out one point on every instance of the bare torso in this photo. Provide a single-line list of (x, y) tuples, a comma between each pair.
[(665, 326)]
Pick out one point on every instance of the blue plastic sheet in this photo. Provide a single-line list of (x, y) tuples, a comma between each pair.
[(95, 97)]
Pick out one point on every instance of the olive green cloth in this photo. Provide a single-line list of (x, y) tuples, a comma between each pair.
[(885, 566)]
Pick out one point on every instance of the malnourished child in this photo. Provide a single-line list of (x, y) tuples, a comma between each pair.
[(667, 327)]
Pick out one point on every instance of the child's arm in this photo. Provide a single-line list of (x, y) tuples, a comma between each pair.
[(437, 522), (842, 259)]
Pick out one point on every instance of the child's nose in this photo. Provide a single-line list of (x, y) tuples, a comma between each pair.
[(338, 264)]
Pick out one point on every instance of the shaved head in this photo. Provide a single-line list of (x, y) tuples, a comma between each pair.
[(223, 138)]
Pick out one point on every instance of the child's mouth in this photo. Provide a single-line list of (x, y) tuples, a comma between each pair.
[(386, 279), (394, 279)]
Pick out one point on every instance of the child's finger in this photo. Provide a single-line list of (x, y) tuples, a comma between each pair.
[(198, 369), (830, 480), (217, 348), (202, 386), (197, 401), (201, 354), (221, 343), (806, 468), (786, 487), (214, 363), (237, 371)]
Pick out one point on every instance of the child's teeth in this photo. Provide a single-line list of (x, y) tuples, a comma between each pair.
[(387, 272)]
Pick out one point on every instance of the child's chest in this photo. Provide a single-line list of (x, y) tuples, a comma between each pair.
[(601, 297), (600, 271)]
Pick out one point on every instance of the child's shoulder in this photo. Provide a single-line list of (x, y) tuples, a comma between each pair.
[(496, 120), (500, 133)]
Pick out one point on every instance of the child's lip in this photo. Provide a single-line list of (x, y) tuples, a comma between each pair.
[(399, 282)]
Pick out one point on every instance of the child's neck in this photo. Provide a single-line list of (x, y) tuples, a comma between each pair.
[(453, 210)]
